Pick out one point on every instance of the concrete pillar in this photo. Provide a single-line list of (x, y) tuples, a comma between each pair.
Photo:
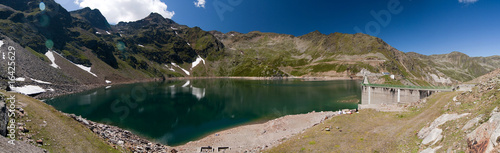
[(369, 94), (399, 95)]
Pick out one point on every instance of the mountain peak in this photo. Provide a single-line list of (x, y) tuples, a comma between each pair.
[(93, 16), (312, 35), (154, 15), (316, 32)]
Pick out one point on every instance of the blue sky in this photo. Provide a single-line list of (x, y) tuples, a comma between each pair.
[(422, 26)]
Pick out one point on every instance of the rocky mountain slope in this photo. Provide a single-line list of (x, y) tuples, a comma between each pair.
[(80, 48), (458, 121)]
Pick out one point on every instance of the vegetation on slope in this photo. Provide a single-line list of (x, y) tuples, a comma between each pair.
[(369, 130), (58, 132)]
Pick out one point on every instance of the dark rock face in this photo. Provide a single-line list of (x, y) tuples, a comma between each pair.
[(3, 117), (94, 17)]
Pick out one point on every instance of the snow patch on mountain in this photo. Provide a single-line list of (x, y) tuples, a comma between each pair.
[(28, 89), (197, 61), (85, 68), (185, 71), (3, 54), (40, 81), (50, 55), (170, 68), (20, 79)]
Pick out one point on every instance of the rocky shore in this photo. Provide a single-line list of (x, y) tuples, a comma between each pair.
[(118, 137), (248, 138)]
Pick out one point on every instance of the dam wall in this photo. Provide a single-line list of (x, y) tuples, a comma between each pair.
[(386, 95), (373, 96)]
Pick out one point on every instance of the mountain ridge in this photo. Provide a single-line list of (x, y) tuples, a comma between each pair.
[(158, 47)]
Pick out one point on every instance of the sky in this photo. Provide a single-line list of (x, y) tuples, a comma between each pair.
[(423, 26)]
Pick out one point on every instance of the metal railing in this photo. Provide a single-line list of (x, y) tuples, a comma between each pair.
[(409, 87)]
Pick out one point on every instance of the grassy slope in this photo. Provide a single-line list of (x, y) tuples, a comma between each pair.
[(369, 131), (62, 133)]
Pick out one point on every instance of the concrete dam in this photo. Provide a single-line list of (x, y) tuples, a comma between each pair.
[(374, 95)]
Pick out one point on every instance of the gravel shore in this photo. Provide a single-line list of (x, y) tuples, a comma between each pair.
[(250, 138)]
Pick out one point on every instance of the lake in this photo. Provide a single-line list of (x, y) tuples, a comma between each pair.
[(178, 111)]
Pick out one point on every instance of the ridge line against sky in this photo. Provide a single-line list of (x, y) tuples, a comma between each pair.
[(423, 26)]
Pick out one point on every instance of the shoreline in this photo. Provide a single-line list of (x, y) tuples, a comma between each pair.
[(283, 127), (258, 136), (252, 137)]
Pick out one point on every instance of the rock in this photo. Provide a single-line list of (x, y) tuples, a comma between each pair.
[(24, 129), (139, 148), (437, 122), (120, 142), (84, 121), (430, 150), (39, 141), (3, 118), (472, 122), (433, 136), (484, 138)]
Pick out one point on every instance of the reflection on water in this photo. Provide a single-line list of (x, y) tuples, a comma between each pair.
[(175, 112), (197, 92)]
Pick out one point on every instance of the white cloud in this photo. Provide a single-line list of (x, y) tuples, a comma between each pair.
[(200, 3), (467, 1), (126, 10)]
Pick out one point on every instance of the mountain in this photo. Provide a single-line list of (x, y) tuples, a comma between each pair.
[(93, 17), (460, 66), (89, 52), (319, 55)]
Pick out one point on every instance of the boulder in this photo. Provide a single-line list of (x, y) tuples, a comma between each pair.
[(120, 143), (486, 136), (472, 122), (4, 118), (437, 122), (433, 136), (39, 141)]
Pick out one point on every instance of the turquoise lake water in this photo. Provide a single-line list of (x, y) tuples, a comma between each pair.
[(176, 112)]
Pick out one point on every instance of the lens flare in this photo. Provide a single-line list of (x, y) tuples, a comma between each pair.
[(49, 44), (121, 46), (44, 20), (42, 6)]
